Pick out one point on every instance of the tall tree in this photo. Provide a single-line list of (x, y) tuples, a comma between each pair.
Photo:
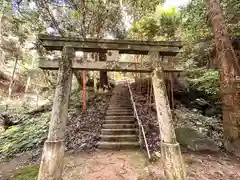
[(230, 72)]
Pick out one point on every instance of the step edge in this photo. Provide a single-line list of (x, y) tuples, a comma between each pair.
[(104, 129), (118, 142)]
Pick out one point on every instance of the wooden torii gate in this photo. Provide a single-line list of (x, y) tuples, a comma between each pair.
[(52, 159)]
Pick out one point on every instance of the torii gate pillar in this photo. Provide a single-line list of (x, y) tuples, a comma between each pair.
[(174, 167), (52, 158)]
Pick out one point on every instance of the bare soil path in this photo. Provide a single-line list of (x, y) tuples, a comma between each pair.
[(132, 165), (105, 165)]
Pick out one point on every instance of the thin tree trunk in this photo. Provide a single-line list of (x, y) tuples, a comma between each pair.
[(84, 101), (37, 100), (84, 89), (28, 80), (2, 55), (229, 78), (12, 79), (141, 77), (103, 74), (78, 76), (174, 167), (52, 159), (95, 73), (95, 81)]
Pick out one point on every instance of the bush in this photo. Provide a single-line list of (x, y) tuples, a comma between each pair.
[(204, 80)]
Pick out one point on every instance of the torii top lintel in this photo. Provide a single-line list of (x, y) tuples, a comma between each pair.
[(165, 48)]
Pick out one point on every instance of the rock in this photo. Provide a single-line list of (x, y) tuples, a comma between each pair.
[(156, 172), (211, 111), (194, 140), (153, 106), (201, 102), (83, 145), (156, 155), (233, 147), (98, 98), (194, 110)]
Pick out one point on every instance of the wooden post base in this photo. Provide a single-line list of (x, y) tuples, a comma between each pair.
[(52, 161), (172, 157)]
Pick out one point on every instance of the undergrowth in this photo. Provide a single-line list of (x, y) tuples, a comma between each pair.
[(26, 173), (29, 134), (33, 128), (204, 80)]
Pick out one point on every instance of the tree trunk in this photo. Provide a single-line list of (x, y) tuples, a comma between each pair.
[(52, 159), (95, 81), (229, 78), (78, 76), (103, 74), (95, 73), (12, 79), (174, 167), (84, 93), (84, 100), (28, 80), (2, 53)]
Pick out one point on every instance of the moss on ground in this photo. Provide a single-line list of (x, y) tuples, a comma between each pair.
[(27, 173), (32, 130), (29, 134)]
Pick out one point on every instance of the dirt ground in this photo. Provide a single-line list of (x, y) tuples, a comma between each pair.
[(220, 166), (7, 168), (133, 165), (103, 165)]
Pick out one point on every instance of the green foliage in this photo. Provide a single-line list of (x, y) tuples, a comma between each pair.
[(76, 97), (205, 80), (138, 9), (146, 28), (26, 173), (169, 20), (195, 21), (31, 133), (163, 24), (196, 24), (199, 44), (32, 130)]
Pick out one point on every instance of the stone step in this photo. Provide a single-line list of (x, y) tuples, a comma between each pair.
[(118, 138), (117, 104), (118, 131), (113, 113), (120, 98), (119, 121), (119, 118), (120, 109), (123, 96), (124, 113), (118, 145), (118, 126), (120, 104)]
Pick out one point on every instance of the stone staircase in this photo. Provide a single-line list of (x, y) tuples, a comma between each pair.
[(119, 128)]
